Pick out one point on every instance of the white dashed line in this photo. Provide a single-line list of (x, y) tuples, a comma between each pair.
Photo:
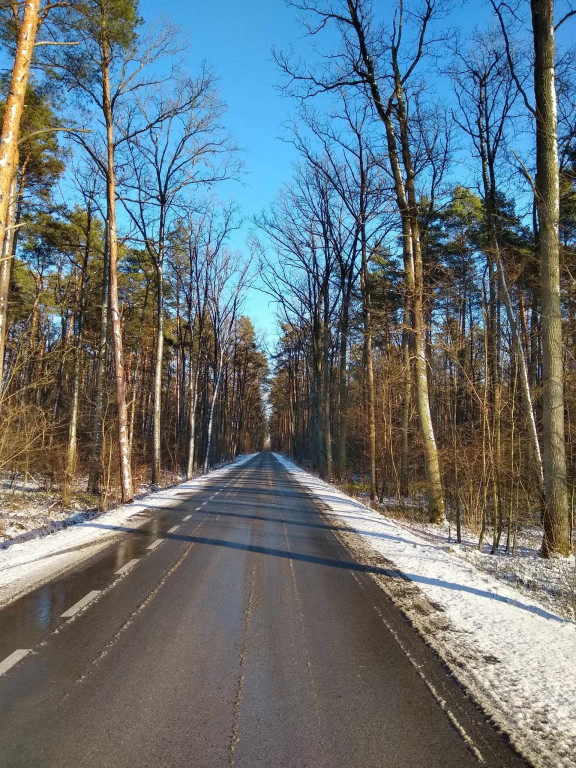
[(80, 604), (197, 508), (125, 568), (155, 544), (174, 528), (14, 658), (186, 518)]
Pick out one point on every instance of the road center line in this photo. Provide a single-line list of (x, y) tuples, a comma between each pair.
[(198, 508), (80, 604), (174, 528), (186, 518), (14, 658), (154, 544), (125, 568)]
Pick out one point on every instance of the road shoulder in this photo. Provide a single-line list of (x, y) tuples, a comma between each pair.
[(478, 626)]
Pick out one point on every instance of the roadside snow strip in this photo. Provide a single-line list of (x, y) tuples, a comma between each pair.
[(517, 659), (25, 565)]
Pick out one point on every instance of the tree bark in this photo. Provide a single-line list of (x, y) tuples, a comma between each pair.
[(95, 470), (194, 380), (367, 316), (556, 529), (157, 448), (123, 435), (6, 260), (15, 107), (213, 408), (71, 459)]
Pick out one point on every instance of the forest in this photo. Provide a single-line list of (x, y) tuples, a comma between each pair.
[(424, 262), (125, 356), (419, 260)]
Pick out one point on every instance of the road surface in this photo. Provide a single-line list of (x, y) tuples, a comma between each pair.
[(232, 630)]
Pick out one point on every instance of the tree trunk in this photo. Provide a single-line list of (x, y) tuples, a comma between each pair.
[(74, 409), (157, 448), (343, 388), (101, 356), (408, 205), (367, 313), (194, 379), (326, 377), (6, 260), (556, 534), (123, 441), (15, 106), (212, 409)]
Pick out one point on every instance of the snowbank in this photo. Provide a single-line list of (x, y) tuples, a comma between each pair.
[(50, 550), (516, 657)]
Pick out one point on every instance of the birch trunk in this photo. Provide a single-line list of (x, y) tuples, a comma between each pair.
[(194, 380), (6, 260), (212, 409), (123, 435)]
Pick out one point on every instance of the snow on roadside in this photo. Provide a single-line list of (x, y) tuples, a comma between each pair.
[(516, 658), (25, 565)]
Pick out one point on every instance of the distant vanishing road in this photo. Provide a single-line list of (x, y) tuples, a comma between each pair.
[(239, 632)]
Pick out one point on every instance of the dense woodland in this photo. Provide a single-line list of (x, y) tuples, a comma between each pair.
[(125, 357), (421, 259)]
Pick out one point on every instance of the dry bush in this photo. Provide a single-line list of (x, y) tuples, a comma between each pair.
[(24, 433)]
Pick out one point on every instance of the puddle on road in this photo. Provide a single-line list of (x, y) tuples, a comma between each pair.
[(28, 620)]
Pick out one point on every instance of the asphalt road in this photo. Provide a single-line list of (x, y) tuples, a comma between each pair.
[(247, 636)]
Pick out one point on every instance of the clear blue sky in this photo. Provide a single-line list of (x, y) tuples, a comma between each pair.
[(235, 39)]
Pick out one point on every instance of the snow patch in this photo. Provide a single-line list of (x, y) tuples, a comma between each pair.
[(37, 556), (515, 656)]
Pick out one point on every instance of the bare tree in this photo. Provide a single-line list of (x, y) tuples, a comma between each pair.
[(383, 72), (111, 66), (178, 144), (547, 195)]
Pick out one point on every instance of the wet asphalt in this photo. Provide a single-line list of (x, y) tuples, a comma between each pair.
[(247, 636)]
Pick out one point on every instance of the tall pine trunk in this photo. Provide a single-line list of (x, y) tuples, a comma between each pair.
[(15, 106)]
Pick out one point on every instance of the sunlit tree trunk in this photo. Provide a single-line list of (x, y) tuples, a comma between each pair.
[(215, 390), (14, 107), (6, 261), (369, 358), (556, 532), (95, 470), (120, 384)]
